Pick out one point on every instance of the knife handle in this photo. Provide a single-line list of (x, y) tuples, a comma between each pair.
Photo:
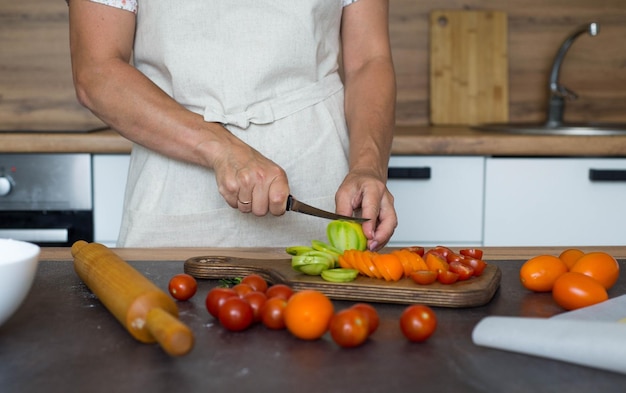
[(289, 202)]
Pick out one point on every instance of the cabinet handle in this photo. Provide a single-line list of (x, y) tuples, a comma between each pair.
[(607, 174), (415, 173)]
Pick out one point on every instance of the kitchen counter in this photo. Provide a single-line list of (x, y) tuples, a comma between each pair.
[(62, 339), (408, 140)]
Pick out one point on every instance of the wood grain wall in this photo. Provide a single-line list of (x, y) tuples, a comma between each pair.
[(36, 88)]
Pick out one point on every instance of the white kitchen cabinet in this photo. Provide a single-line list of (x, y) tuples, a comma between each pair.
[(110, 172), (439, 200), (554, 202)]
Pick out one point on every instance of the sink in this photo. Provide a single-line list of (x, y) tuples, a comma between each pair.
[(580, 129)]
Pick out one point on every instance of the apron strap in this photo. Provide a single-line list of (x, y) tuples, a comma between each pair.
[(268, 111)]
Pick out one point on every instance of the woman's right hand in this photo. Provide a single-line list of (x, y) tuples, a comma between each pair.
[(247, 180)]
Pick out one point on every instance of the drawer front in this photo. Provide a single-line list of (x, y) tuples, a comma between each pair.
[(555, 202), (439, 200)]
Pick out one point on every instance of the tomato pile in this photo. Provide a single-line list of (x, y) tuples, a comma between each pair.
[(306, 314), (575, 279)]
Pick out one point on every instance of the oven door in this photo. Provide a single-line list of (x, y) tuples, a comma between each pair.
[(46, 199)]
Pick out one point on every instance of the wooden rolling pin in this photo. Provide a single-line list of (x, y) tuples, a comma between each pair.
[(148, 313)]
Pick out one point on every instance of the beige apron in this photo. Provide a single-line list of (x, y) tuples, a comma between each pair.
[(267, 70)]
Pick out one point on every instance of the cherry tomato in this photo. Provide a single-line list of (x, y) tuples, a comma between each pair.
[(236, 314), (182, 286), (370, 313), (441, 250), (447, 277), (464, 271), (280, 290), (454, 257), (424, 277), (242, 289), (273, 313), (418, 322), (477, 264), (257, 282), (472, 252), (416, 249), (349, 328), (216, 297), (257, 300)]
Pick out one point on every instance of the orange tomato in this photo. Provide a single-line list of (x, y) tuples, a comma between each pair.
[(539, 273), (575, 290), (308, 314), (570, 256), (389, 266), (599, 265)]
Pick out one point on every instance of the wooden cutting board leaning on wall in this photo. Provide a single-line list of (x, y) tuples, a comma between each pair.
[(468, 67)]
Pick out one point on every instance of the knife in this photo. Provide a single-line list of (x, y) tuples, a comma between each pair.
[(296, 206)]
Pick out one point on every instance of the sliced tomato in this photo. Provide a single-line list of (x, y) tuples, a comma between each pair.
[(472, 252), (416, 250), (477, 264), (435, 261), (447, 277), (424, 277), (442, 250), (454, 257), (464, 271)]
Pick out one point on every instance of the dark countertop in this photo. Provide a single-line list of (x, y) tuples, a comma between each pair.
[(63, 340), (408, 140)]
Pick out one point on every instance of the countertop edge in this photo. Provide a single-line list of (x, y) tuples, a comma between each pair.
[(174, 254), (408, 140)]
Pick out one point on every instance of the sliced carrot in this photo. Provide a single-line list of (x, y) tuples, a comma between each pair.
[(436, 262)]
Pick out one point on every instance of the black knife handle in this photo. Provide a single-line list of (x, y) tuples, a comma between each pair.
[(414, 173), (289, 202), (607, 175)]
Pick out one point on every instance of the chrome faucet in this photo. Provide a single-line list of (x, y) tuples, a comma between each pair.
[(557, 92)]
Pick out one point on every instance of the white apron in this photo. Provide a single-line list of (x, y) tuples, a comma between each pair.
[(268, 71)]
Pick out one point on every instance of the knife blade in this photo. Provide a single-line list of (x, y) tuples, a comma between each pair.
[(296, 206)]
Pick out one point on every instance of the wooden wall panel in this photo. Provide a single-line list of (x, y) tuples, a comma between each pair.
[(595, 68), (36, 88)]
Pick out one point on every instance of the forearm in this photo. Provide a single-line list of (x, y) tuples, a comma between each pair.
[(370, 98)]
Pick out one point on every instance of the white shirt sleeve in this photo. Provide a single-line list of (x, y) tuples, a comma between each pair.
[(128, 5)]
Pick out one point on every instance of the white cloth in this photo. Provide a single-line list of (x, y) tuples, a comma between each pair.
[(268, 71)]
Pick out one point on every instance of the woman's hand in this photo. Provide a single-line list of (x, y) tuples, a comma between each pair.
[(364, 190), (247, 180)]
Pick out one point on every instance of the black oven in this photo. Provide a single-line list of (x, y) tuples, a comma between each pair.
[(46, 199)]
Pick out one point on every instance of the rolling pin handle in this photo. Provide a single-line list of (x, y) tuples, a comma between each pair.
[(173, 336)]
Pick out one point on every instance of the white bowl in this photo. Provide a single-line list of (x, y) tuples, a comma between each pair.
[(18, 266)]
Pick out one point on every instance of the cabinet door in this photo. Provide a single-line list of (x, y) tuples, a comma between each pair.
[(439, 200), (109, 176), (555, 202)]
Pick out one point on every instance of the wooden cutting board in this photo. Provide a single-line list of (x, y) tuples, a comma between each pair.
[(468, 67), (473, 292)]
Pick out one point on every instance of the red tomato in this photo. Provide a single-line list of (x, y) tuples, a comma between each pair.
[(370, 313), (454, 257), (416, 249), (472, 252), (418, 322), (280, 290), (441, 250), (349, 328), (273, 313), (236, 314), (216, 297), (257, 300), (447, 277), (464, 271), (242, 289), (477, 264), (257, 282), (424, 277), (182, 286)]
